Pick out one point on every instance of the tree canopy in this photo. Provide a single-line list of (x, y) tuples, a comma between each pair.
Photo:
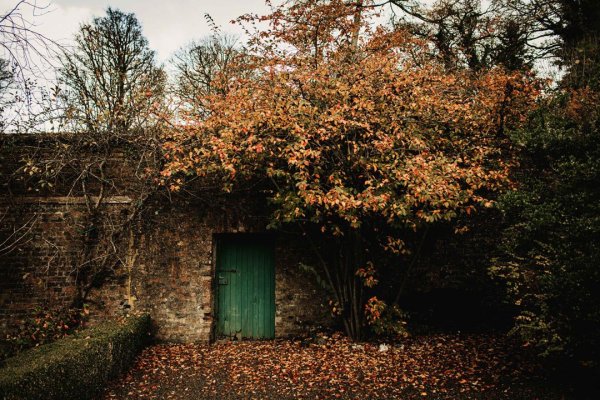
[(354, 124), (204, 67), (111, 81)]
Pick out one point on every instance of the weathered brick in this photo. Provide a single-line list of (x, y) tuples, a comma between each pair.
[(173, 274)]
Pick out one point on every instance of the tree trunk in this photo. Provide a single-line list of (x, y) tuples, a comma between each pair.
[(349, 286), (340, 274)]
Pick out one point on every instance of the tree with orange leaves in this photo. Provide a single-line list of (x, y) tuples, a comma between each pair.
[(362, 133)]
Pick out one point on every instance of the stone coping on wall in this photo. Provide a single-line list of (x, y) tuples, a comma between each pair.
[(63, 200)]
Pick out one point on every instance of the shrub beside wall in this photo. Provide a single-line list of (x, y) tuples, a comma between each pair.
[(77, 367)]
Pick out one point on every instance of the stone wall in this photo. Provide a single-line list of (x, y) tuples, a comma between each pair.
[(173, 279), (166, 264)]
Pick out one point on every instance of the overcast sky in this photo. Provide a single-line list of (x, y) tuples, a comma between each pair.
[(168, 24)]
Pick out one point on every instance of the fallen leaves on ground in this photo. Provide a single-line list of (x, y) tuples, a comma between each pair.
[(428, 367)]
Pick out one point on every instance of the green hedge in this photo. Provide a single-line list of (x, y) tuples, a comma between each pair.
[(77, 367)]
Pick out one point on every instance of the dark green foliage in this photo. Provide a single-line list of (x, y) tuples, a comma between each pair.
[(551, 245), (552, 242), (392, 323), (77, 367)]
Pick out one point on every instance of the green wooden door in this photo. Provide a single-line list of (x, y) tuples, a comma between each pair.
[(245, 287)]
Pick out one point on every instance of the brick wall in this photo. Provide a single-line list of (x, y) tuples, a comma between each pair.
[(36, 272), (173, 279), (167, 266)]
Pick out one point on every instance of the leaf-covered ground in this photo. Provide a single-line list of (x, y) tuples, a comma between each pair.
[(428, 367)]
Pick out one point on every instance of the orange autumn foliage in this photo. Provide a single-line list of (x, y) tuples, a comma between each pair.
[(352, 121), (382, 128)]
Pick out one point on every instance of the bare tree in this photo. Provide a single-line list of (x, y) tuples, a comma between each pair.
[(110, 89), (111, 79), (572, 34), (6, 81), (26, 56), (513, 33), (25, 50), (467, 33), (206, 67)]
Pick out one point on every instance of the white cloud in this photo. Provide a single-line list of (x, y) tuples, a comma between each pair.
[(168, 25)]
